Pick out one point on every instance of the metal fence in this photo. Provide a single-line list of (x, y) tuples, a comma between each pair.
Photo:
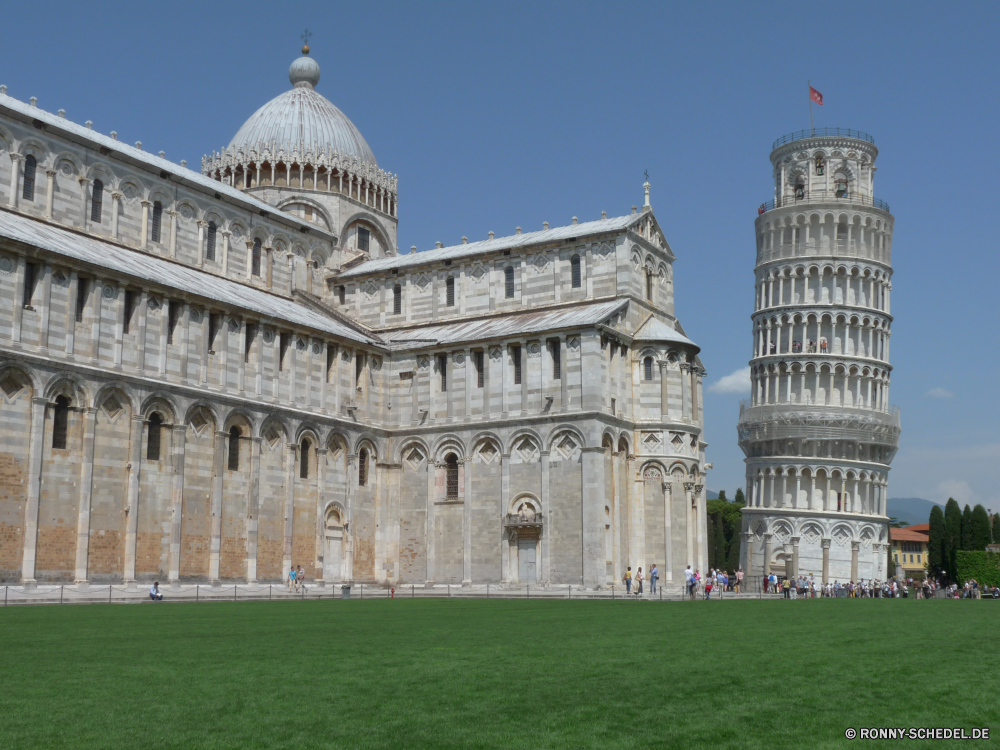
[(800, 135), (849, 198)]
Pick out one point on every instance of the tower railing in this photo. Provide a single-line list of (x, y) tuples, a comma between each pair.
[(801, 135), (817, 422), (849, 198), (835, 249)]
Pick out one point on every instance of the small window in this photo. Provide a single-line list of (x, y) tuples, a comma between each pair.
[(214, 324), (234, 448), (508, 277), (480, 369), (359, 367), (157, 220), (556, 359), (129, 307), (819, 164), (284, 342), (450, 292), (515, 355), (173, 313), (29, 178), (574, 263), (97, 201), (364, 239), (649, 285), (397, 299), (647, 365), (255, 258), (331, 361), (60, 422), (341, 294), (81, 299), (451, 469), (213, 232), (304, 459), (443, 369), (30, 274), (153, 437), (251, 337), (362, 467)]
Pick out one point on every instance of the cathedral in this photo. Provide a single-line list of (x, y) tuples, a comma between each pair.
[(215, 376)]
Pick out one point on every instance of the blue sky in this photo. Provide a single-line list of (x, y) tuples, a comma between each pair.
[(503, 115)]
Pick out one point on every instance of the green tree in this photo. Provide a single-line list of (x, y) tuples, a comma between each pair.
[(722, 495), (711, 540), (966, 542), (980, 529), (738, 499), (952, 537), (935, 542), (996, 528)]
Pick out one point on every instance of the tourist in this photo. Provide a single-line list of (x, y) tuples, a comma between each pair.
[(786, 587), (708, 588), (291, 580), (739, 580), (689, 580), (638, 582), (654, 574), (154, 592), (627, 578), (300, 579)]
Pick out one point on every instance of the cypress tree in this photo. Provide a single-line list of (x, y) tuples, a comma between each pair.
[(952, 537), (980, 531), (722, 496), (711, 540), (935, 542), (739, 500), (733, 561), (966, 528), (996, 528)]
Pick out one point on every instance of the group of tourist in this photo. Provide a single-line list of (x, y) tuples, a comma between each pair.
[(296, 579)]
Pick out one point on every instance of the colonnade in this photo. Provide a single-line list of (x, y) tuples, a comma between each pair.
[(793, 286), (818, 489), (822, 333), (820, 385)]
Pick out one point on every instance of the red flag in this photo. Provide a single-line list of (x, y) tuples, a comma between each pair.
[(815, 96)]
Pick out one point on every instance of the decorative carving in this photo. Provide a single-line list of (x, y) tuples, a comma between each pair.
[(109, 292), (422, 281), (423, 362), (112, 406), (573, 343), (459, 358), (195, 315), (604, 249), (376, 363), (370, 289), (496, 352), (268, 335), (153, 303), (6, 264), (10, 385), (534, 349), (345, 355), (478, 271), (234, 325), (316, 347), (300, 344)]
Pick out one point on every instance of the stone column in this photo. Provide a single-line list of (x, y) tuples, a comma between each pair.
[(215, 548), (747, 561), (132, 503), (96, 293), (173, 233), (430, 532), (795, 556), (668, 551), (45, 307), (119, 332), (140, 352), (36, 442), (664, 396), (767, 554), (321, 453), (86, 493), (688, 524), (178, 440), (700, 516), (15, 183), (593, 519), (352, 483), (685, 391), (467, 523), (253, 511), (563, 376), (289, 505), (855, 546), (226, 234), (115, 211), (202, 224), (144, 231), (50, 195), (826, 561), (547, 520)]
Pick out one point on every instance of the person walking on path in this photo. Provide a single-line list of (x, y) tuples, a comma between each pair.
[(627, 578), (689, 581), (739, 580), (638, 581), (291, 580), (654, 575), (300, 578)]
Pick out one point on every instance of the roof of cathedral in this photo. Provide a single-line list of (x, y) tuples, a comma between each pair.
[(501, 326), (453, 252), (138, 265), (126, 153), (303, 118), (655, 329)]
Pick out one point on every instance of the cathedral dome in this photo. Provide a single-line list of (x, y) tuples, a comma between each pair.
[(303, 118)]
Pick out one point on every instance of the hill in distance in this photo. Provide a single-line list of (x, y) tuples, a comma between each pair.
[(910, 510)]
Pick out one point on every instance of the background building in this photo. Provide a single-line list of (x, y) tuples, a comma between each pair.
[(909, 549), (217, 376), (818, 432)]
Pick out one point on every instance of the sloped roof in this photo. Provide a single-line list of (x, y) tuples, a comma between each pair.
[(504, 326), (151, 162), (454, 252), (907, 535), (162, 272), (655, 329)]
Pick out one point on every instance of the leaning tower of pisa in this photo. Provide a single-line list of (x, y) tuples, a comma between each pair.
[(818, 431)]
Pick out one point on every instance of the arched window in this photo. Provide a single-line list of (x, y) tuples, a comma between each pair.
[(508, 278), (450, 291), (96, 201), (213, 230), (647, 364), (397, 299), (800, 191), (840, 184), (451, 468), (649, 285), (255, 259), (574, 264), (341, 294), (157, 220), (29, 178), (153, 438), (362, 467), (60, 422), (304, 458), (234, 448)]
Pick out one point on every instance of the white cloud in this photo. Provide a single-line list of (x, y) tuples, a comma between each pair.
[(939, 393), (736, 382), (956, 488)]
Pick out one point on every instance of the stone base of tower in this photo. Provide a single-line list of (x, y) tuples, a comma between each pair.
[(829, 547)]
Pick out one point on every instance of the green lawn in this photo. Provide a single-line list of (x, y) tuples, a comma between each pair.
[(483, 674)]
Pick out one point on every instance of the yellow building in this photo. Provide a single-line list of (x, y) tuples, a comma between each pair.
[(909, 549)]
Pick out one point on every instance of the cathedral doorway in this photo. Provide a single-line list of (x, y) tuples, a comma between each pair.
[(527, 550), (333, 555)]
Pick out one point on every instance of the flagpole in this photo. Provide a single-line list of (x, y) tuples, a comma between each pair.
[(811, 126)]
